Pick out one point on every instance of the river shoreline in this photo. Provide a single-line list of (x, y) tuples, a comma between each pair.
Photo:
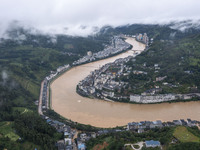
[(66, 102)]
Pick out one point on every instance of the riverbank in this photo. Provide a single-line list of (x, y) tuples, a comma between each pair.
[(69, 104)]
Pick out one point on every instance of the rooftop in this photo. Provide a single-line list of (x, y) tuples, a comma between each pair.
[(152, 143)]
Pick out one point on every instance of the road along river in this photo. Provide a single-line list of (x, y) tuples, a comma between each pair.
[(99, 113)]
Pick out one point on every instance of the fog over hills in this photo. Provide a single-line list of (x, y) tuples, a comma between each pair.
[(86, 17)]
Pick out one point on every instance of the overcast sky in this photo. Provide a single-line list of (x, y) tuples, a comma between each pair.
[(72, 16)]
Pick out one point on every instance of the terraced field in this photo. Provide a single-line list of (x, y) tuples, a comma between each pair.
[(6, 130), (183, 135)]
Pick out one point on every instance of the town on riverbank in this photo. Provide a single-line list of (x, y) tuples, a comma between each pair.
[(74, 139), (117, 45), (112, 82), (70, 134)]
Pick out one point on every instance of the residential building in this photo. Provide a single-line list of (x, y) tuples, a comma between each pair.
[(152, 143)]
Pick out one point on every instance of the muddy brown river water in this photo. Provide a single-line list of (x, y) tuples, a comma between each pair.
[(99, 113)]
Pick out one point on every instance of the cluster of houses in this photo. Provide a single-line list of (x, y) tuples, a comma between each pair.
[(101, 83), (142, 126), (55, 73), (83, 137), (86, 136), (45, 95), (45, 91), (117, 45), (67, 142), (71, 138), (158, 98)]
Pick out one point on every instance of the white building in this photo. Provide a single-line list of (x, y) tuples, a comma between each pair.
[(89, 53)]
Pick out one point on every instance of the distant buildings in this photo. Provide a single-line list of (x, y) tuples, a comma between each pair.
[(139, 127), (152, 98), (117, 45), (143, 126), (55, 73), (45, 91), (101, 83), (142, 38)]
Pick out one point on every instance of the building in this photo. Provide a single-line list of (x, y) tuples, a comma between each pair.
[(156, 124), (177, 122), (89, 53), (145, 98), (140, 130), (143, 38), (81, 146), (68, 141), (61, 145), (161, 78), (139, 37), (152, 143)]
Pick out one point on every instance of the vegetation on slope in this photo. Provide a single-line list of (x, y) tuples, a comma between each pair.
[(178, 62), (183, 135), (23, 65), (119, 139), (165, 135), (6, 130)]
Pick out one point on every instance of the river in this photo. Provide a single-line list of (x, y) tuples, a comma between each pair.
[(99, 113)]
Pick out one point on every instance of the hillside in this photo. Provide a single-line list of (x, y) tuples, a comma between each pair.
[(24, 61), (170, 65)]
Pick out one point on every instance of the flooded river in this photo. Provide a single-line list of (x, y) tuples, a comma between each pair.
[(99, 113)]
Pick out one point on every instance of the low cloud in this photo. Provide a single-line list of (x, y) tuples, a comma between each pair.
[(4, 77), (6, 81), (80, 17)]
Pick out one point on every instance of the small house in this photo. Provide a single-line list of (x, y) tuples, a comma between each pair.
[(152, 143)]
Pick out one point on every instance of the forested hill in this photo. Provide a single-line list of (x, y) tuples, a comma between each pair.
[(25, 59), (177, 61)]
